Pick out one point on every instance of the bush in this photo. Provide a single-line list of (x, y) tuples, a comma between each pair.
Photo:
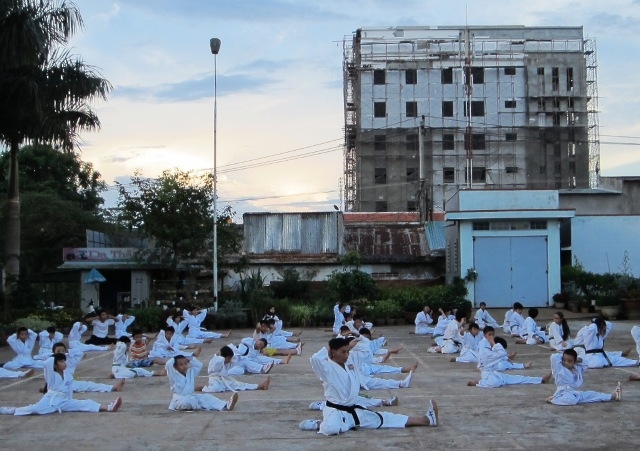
[(301, 315), (353, 284), (387, 308), (33, 322), (148, 318)]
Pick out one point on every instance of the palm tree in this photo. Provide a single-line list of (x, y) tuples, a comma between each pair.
[(44, 94)]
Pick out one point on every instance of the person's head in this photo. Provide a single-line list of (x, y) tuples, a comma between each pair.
[(460, 315), (272, 310), (339, 350), (227, 353), (366, 332), (271, 323), (501, 341), (22, 333), (343, 308), (357, 320), (517, 307), (193, 310), (51, 330), (533, 312), (137, 336), (177, 317), (474, 329), (347, 317), (601, 324), (489, 332), (569, 358), (181, 364), (345, 331), (103, 316), (483, 305), (558, 318), (168, 332), (426, 309), (59, 362), (59, 348), (261, 344), (126, 340), (447, 309)]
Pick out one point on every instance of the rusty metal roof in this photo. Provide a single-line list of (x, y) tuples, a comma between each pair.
[(386, 241)]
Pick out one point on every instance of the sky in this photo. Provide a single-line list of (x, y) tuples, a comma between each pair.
[(279, 86)]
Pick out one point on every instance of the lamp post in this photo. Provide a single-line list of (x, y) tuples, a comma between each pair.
[(214, 44)]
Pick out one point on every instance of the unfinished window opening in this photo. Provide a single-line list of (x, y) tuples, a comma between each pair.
[(477, 140), (411, 76), (380, 142), (477, 75), (411, 142), (446, 76), (477, 108), (571, 102), (556, 118), (381, 205), (379, 109), (448, 175), (555, 78), (447, 108), (412, 205), (569, 79), (478, 174), (556, 103), (380, 176), (541, 104), (509, 103), (509, 70), (448, 142), (412, 174), (511, 169), (379, 77), (541, 71), (511, 136), (481, 225), (411, 109)]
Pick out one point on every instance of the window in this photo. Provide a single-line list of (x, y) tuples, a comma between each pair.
[(556, 103), (411, 205), (509, 103), (557, 168), (555, 78), (448, 142), (379, 77), (556, 118), (477, 140), (446, 76), (541, 71), (481, 225), (447, 108), (411, 142), (478, 174), (412, 174), (477, 74), (477, 108), (511, 136), (380, 142), (381, 205), (412, 109), (411, 76), (569, 79), (541, 105), (509, 70), (379, 109), (538, 225), (380, 177), (448, 175), (572, 103), (511, 169)]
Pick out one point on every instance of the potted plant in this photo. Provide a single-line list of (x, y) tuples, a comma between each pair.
[(630, 303), (609, 305), (561, 299)]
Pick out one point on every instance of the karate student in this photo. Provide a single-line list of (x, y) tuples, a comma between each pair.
[(470, 341), (516, 321), (59, 396), (443, 321), (100, 331), (531, 333), (376, 347), (122, 322), (271, 314), (338, 317), (635, 333), (169, 344), (258, 352), (22, 343), (489, 357), (453, 334), (484, 318), (592, 337), (47, 338), (229, 364), (8, 374), (364, 402), (506, 325), (343, 410), (75, 334), (363, 349), (567, 371), (194, 319), (423, 322), (504, 363), (120, 368), (559, 333), (182, 374), (179, 324)]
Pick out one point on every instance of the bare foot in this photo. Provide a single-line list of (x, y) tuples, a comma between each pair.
[(452, 359), (111, 347), (472, 383), (385, 357), (520, 341), (546, 379), (527, 365), (626, 352), (197, 352), (549, 399), (413, 368), (118, 386), (29, 373), (287, 359), (112, 376), (512, 355), (297, 334), (265, 384), (634, 377), (207, 341), (227, 334), (395, 350)]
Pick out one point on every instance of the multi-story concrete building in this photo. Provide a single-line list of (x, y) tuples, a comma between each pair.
[(505, 107)]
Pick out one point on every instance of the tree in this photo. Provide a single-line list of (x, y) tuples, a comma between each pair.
[(44, 94), (176, 211)]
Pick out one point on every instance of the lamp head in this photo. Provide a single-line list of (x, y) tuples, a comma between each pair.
[(214, 43)]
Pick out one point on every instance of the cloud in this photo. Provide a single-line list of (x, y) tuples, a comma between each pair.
[(194, 89)]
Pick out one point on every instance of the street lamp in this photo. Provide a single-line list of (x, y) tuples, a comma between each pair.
[(214, 44)]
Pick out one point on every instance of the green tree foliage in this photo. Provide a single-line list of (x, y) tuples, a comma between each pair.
[(353, 284), (44, 93)]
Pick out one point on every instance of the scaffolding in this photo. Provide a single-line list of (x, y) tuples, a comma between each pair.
[(592, 111)]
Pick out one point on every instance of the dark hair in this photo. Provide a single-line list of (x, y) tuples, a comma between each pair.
[(518, 306), (58, 357), (565, 326), (600, 323), (55, 345), (347, 317), (483, 303), (264, 322), (124, 339), (488, 329), (264, 340), (337, 343), (178, 357), (226, 351), (344, 328), (169, 329), (473, 325), (502, 341), (51, 329), (358, 316), (460, 314), (533, 312), (271, 321), (21, 329), (365, 331), (136, 332), (572, 353)]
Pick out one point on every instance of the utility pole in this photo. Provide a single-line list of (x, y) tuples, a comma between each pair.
[(422, 195)]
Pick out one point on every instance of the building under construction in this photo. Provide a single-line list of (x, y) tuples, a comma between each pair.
[(508, 107)]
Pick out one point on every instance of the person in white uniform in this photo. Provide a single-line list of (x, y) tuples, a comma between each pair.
[(194, 319), (484, 318), (59, 395), (22, 343), (516, 321), (423, 322), (592, 337), (531, 333), (46, 339), (229, 364), (100, 332), (120, 368), (635, 334), (567, 370), (470, 341), (363, 349), (122, 322), (169, 344), (559, 333), (182, 373), (338, 317), (8, 374), (343, 410), (75, 335)]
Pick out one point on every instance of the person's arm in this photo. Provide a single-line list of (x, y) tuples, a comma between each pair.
[(91, 319), (196, 364), (319, 363)]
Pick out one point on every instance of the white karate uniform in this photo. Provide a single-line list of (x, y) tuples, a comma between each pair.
[(74, 356), (247, 349), (593, 342), (236, 367), (23, 351), (363, 349), (8, 374), (452, 338), (555, 338), (338, 319), (219, 380), (489, 359), (179, 328), (469, 352), (75, 334), (46, 344), (279, 342), (183, 389), (484, 318), (195, 331), (443, 322), (341, 387), (517, 324), (119, 367), (506, 325), (101, 329), (635, 334), (121, 326), (567, 383), (532, 331), (422, 322), (59, 396), (368, 382)]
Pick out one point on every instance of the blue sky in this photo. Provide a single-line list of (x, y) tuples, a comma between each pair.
[(279, 77)]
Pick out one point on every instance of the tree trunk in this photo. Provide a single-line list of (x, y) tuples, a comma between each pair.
[(11, 271)]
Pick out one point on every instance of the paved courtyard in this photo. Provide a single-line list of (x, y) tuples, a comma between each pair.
[(515, 417)]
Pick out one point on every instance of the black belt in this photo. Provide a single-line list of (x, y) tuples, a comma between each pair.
[(599, 351), (352, 411)]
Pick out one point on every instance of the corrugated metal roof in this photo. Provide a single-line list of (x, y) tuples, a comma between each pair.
[(436, 239), (385, 217)]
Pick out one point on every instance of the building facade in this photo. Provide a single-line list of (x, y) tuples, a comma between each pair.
[(501, 107)]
